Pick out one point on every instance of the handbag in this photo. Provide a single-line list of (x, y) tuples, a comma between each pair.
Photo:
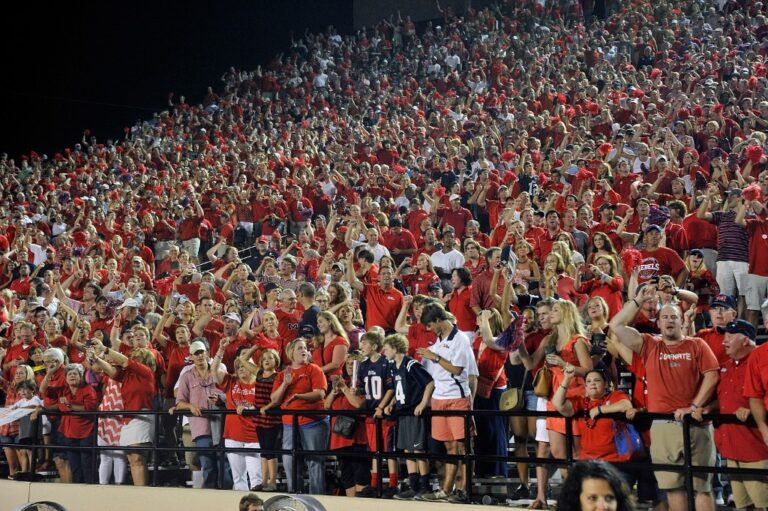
[(628, 442), (345, 426), (485, 385), (542, 383), (513, 399)]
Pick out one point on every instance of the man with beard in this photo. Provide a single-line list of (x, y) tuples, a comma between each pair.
[(682, 375)]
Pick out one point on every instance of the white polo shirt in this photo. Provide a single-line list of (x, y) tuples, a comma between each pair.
[(457, 350)]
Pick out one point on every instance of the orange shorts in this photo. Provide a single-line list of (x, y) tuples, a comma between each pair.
[(387, 429), (446, 429), (557, 424)]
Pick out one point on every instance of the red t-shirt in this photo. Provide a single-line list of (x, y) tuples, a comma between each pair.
[(73, 426), (662, 261), (757, 229), (714, 340), (459, 305), (239, 427), (288, 328), (138, 388), (383, 307), (756, 380), (737, 441), (324, 355), (419, 337), (675, 372), (177, 360), (306, 378), (597, 441)]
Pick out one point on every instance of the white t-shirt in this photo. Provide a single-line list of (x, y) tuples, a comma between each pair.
[(448, 262), (457, 350)]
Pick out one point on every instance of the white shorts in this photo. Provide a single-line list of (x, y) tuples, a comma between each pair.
[(141, 430), (731, 276), (542, 435), (755, 291)]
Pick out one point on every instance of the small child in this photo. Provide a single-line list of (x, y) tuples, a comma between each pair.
[(413, 390), (268, 427), (27, 431)]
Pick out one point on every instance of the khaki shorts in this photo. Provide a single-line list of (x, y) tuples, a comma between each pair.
[(746, 491), (444, 428), (667, 448)]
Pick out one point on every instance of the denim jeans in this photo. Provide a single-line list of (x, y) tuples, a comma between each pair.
[(207, 462), (313, 437), (80, 461)]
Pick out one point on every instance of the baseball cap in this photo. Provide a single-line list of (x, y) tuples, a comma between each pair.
[(653, 227), (307, 331), (130, 302), (270, 286), (607, 205), (234, 316), (196, 346), (723, 300), (696, 252), (434, 286), (263, 239), (338, 266), (739, 326), (454, 196)]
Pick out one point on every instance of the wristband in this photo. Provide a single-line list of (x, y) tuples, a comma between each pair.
[(636, 302), (564, 387), (695, 406), (599, 410)]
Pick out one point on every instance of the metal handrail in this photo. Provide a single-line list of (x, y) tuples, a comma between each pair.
[(687, 468)]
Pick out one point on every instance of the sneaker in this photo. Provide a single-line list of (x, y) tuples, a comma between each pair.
[(435, 496), (389, 492), (420, 494), (369, 492), (458, 497), (719, 498), (405, 495), (521, 492), (269, 487)]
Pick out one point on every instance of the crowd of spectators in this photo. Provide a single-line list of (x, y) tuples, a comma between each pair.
[(361, 223)]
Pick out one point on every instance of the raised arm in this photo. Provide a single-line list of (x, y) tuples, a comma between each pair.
[(620, 322)]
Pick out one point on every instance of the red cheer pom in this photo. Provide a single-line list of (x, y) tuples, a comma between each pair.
[(631, 258), (752, 193), (655, 73), (604, 149), (754, 153)]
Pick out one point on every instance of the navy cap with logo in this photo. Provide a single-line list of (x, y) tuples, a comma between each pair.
[(307, 331), (739, 326), (723, 300)]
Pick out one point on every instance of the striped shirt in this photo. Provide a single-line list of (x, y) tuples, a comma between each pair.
[(262, 393), (732, 239)]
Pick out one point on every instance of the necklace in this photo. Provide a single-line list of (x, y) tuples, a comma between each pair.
[(590, 422)]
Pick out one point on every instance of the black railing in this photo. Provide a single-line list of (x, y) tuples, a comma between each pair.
[(468, 457)]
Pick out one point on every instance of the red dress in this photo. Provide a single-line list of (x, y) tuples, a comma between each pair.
[(575, 388)]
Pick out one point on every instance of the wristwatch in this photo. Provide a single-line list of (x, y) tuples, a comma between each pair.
[(438, 359)]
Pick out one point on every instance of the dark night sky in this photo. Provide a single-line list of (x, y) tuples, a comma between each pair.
[(68, 66)]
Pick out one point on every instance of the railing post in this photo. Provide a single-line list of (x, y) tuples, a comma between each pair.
[(93, 451), (468, 454), (297, 484), (379, 457), (688, 462), (155, 441), (568, 440), (220, 453)]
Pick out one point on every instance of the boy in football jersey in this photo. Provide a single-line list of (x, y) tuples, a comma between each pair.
[(374, 380), (412, 391)]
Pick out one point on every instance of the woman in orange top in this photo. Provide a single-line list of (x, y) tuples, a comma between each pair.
[(567, 344), (331, 346)]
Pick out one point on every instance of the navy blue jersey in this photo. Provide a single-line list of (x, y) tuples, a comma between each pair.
[(374, 379), (411, 378)]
